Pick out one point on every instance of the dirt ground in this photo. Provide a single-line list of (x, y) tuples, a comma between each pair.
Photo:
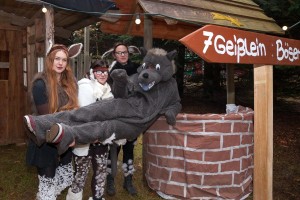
[(286, 167)]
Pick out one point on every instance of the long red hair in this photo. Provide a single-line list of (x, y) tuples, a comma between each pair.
[(67, 82)]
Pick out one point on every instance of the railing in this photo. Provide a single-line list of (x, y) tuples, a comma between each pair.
[(79, 67)]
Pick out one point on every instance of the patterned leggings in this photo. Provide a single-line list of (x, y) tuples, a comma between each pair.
[(98, 154)]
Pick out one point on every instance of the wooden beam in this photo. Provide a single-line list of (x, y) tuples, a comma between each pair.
[(14, 19), (49, 27), (148, 37), (159, 29), (39, 37), (30, 1), (31, 57), (61, 32), (38, 14), (10, 27), (31, 37), (230, 84), (86, 49), (39, 29), (263, 132)]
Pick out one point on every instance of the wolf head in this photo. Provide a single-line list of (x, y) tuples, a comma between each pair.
[(157, 66)]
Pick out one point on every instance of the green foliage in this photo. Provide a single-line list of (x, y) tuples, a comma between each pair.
[(284, 13), (281, 9)]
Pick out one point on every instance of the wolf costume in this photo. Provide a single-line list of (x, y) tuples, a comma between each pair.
[(150, 93)]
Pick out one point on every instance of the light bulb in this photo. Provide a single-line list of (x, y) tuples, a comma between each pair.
[(284, 28), (137, 19), (44, 9)]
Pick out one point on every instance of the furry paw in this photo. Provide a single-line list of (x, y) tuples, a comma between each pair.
[(119, 75), (171, 118)]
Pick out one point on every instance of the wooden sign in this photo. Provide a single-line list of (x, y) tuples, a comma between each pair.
[(227, 45)]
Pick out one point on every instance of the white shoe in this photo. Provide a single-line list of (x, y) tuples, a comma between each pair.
[(74, 196)]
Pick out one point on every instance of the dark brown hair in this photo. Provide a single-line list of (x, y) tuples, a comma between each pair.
[(99, 63), (119, 44)]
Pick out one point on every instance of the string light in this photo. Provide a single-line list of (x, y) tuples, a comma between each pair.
[(127, 14), (44, 9), (284, 28), (137, 19)]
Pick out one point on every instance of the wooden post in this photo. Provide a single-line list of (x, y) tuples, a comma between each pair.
[(148, 42), (86, 62), (148, 38), (230, 84), (49, 27), (263, 132)]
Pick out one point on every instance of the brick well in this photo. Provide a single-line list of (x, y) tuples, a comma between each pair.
[(207, 156)]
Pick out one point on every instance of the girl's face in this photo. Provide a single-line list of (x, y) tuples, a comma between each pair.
[(60, 62), (101, 76), (121, 54)]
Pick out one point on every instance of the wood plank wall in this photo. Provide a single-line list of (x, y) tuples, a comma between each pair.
[(12, 90)]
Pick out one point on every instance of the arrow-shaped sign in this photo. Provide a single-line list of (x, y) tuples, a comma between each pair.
[(227, 45)]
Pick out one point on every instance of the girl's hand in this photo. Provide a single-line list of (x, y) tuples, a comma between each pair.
[(72, 144)]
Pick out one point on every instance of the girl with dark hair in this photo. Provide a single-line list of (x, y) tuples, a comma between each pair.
[(122, 61), (91, 89)]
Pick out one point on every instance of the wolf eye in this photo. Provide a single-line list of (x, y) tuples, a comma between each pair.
[(157, 67), (143, 65)]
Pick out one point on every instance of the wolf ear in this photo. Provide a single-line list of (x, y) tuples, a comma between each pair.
[(74, 50), (171, 55), (143, 51)]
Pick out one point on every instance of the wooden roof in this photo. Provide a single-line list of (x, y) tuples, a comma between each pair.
[(20, 14), (174, 19)]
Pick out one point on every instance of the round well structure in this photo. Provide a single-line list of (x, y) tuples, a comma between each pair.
[(204, 156)]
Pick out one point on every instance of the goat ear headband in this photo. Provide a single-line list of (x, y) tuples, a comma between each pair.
[(73, 50), (131, 49)]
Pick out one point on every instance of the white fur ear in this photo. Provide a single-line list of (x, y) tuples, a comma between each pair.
[(111, 66), (134, 50), (75, 49), (50, 46), (92, 77), (107, 53)]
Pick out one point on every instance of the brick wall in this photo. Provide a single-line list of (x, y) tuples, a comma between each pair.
[(207, 156)]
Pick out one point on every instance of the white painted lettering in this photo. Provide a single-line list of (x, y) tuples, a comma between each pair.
[(238, 47), (219, 48), (207, 42), (286, 52)]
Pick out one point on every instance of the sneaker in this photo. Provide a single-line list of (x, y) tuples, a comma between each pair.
[(29, 124), (30, 129), (55, 134)]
